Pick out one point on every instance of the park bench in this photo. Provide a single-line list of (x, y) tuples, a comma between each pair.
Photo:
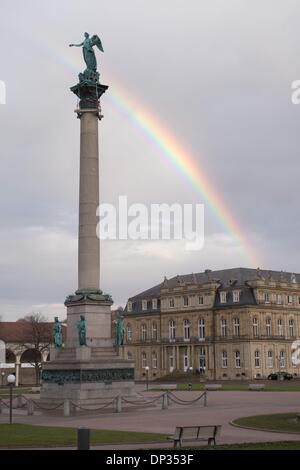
[(196, 434)]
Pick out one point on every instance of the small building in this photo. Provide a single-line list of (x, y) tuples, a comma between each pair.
[(21, 348)]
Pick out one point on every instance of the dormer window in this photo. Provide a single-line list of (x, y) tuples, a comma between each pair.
[(236, 296), (185, 301), (290, 299), (279, 299), (144, 304), (171, 303), (223, 297), (267, 297), (154, 304), (200, 300), (129, 306)]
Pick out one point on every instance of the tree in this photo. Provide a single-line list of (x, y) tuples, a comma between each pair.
[(36, 338)]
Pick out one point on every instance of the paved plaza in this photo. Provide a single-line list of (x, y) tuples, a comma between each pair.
[(223, 407)]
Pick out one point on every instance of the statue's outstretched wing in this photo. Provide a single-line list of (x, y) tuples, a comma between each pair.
[(96, 41)]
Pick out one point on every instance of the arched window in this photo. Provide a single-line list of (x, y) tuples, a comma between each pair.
[(154, 360), (129, 332), (270, 359), (143, 332), (144, 360), (201, 328), (236, 327), (257, 358), (224, 360), (280, 327), (154, 330), (171, 329), (237, 359), (282, 359), (292, 327), (223, 327), (268, 327), (186, 329), (255, 326)]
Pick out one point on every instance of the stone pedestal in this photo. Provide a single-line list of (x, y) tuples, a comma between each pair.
[(87, 375)]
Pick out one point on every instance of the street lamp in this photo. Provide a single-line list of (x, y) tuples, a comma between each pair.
[(147, 376), (2, 378), (190, 385), (11, 381)]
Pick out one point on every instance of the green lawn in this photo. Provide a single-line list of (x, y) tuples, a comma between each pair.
[(285, 422), (245, 387), (4, 392), (284, 445), (25, 435)]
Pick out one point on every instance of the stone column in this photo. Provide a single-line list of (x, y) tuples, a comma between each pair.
[(88, 242)]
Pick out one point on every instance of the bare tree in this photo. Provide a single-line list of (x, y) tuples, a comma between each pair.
[(36, 337)]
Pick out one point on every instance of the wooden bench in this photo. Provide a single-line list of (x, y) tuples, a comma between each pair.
[(196, 434)]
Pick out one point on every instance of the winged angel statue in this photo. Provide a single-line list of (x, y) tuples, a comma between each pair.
[(90, 74)]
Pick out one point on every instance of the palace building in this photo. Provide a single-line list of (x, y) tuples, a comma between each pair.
[(226, 324)]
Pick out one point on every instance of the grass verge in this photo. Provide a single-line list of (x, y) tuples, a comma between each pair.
[(282, 422)]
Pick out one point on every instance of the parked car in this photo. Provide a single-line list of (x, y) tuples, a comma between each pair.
[(280, 376)]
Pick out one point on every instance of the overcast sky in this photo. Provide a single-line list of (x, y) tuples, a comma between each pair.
[(216, 73)]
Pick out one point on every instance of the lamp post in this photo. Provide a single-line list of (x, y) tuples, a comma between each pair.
[(147, 376), (2, 378), (11, 381)]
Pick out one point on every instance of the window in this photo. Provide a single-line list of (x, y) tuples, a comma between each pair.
[(171, 329), (144, 360), (282, 359), (279, 299), (154, 304), (223, 327), (257, 358), (201, 328), (144, 304), (171, 303), (154, 360), (290, 299), (171, 361), (255, 326), (270, 359), (223, 297), (185, 359), (294, 359), (185, 301), (129, 332), (143, 332), (236, 296), (236, 327), (298, 300), (200, 300), (202, 359), (268, 327), (267, 297), (154, 330), (129, 306), (237, 359), (224, 360), (129, 356), (280, 327), (292, 327), (186, 329)]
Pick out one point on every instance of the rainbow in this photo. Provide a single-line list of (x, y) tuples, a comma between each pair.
[(183, 161), (171, 149)]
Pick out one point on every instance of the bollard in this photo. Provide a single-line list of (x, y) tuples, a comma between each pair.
[(190, 386), (30, 408), (67, 407), (165, 401), (118, 404), (83, 439), (19, 401), (205, 398)]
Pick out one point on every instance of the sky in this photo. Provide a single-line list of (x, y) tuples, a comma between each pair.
[(216, 74)]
